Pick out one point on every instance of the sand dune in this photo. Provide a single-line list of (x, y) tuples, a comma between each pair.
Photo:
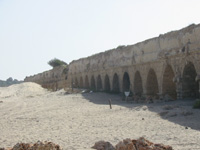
[(30, 113), (23, 89)]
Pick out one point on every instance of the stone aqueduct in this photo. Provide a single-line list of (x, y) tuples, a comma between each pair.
[(168, 64)]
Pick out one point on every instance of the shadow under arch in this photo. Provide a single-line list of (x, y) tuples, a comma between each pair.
[(152, 84), (169, 86), (99, 83), (190, 85), (81, 82), (115, 84), (126, 82), (107, 84), (138, 89), (93, 85), (76, 83), (86, 82)]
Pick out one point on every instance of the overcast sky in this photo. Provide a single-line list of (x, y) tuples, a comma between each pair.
[(32, 32)]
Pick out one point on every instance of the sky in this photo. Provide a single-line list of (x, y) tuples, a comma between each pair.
[(32, 32)]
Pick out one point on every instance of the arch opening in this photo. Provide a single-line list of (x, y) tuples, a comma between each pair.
[(190, 85), (138, 90), (99, 83), (81, 82), (126, 82), (107, 84), (86, 82), (152, 84), (93, 85), (76, 83), (115, 84), (169, 86)]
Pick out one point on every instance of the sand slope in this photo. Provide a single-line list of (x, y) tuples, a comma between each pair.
[(22, 90), (30, 113)]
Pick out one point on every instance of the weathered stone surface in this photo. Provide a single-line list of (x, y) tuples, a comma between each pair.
[(161, 67), (45, 146), (128, 144), (165, 67), (140, 144), (22, 146), (102, 145), (52, 79), (37, 146)]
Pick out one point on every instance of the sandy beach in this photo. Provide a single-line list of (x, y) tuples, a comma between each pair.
[(76, 121)]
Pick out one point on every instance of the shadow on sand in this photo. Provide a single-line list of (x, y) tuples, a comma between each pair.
[(179, 111)]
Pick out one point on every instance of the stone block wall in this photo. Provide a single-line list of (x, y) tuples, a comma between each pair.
[(54, 79), (156, 66), (165, 65)]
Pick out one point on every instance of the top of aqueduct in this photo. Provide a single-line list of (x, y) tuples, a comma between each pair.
[(149, 50)]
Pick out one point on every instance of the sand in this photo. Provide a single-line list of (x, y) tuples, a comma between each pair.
[(29, 113)]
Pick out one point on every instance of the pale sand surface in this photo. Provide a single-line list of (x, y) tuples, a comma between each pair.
[(76, 121)]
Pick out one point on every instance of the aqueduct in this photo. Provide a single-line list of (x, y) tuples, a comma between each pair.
[(168, 64)]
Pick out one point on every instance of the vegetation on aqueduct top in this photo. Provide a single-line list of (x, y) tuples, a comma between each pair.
[(56, 62)]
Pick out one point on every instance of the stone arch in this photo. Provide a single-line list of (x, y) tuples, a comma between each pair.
[(93, 85), (86, 82), (107, 84), (190, 86), (169, 86), (138, 89), (81, 82), (99, 83), (126, 82), (115, 84), (152, 84)]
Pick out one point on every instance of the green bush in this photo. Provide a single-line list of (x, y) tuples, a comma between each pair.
[(56, 62), (197, 104)]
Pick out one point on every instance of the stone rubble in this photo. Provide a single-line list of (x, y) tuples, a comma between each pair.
[(37, 146), (102, 145), (128, 144)]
